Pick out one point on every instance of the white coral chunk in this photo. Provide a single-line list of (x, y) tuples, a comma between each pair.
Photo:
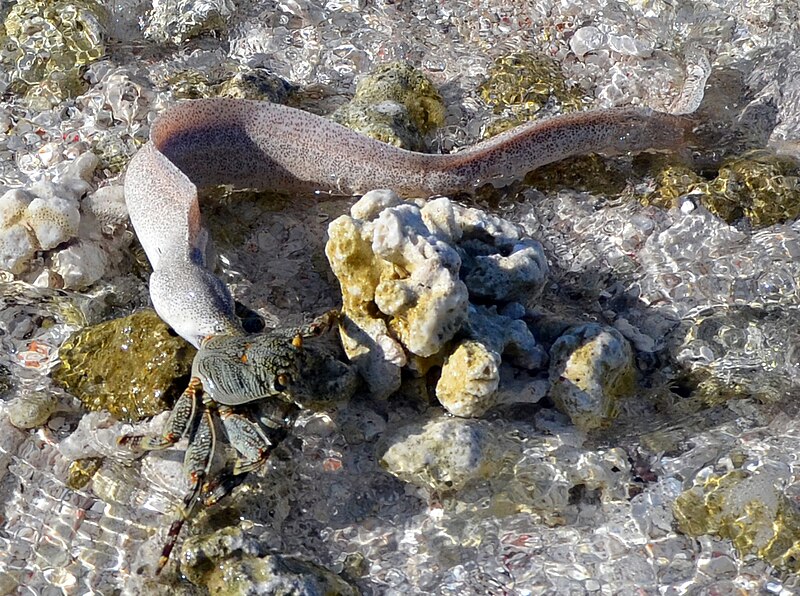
[(53, 220), (17, 247), (371, 204), (423, 293), (80, 265), (12, 207), (400, 265), (442, 219), (107, 204)]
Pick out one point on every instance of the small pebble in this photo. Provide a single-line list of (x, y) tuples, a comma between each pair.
[(585, 40), (443, 454), (687, 206), (31, 411)]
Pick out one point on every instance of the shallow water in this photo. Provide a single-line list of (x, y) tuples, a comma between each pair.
[(710, 307)]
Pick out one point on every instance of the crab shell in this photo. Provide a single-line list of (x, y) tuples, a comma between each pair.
[(234, 372)]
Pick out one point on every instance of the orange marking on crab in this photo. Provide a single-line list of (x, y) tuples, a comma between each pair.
[(243, 358)]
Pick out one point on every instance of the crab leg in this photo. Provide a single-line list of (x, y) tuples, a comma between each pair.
[(278, 416), (247, 438), (178, 423), (260, 440), (218, 488), (197, 463)]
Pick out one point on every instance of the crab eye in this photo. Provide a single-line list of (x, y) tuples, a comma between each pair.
[(281, 382)]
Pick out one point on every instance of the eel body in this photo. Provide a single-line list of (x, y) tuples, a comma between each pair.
[(251, 144)]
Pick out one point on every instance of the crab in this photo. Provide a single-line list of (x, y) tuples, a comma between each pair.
[(230, 371)]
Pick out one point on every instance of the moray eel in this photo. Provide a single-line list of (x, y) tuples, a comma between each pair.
[(252, 144)]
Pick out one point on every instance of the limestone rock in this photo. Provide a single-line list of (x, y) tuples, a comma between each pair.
[(591, 366), (407, 272), (229, 562), (470, 378), (442, 455)]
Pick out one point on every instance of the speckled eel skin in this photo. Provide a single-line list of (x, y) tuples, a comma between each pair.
[(251, 144)]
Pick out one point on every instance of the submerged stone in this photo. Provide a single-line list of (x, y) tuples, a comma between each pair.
[(48, 44), (227, 79), (6, 380), (761, 186), (740, 352), (32, 410), (255, 83), (512, 466), (591, 367), (522, 84), (190, 84), (231, 563), (133, 367), (9, 583), (395, 104), (749, 508), (587, 173), (81, 471), (177, 21), (443, 455)]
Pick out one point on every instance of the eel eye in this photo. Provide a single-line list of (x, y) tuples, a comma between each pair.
[(281, 382)]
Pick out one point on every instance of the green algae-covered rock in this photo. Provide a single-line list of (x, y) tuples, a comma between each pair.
[(761, 186), (133, 367), (768, 184), (230, 563), (395, 104), (47, 45), (114, 151), (5, 380), (81, 471), (521, 84), (190, 84), (748, 508)]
